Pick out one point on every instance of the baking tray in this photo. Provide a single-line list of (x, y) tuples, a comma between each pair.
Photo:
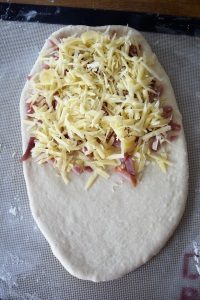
[(28, 269)]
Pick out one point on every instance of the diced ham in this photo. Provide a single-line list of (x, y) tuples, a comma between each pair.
[(29, 108), (127, 169), (88, 169), (53, 44), (133, 180), (54, 104), (29, 77), (173, 134), (151, 97), (116, 142), (45, 66), (153, 84), (158, 91), (129, 165), (174, 126), (154, 144), (167, 111), (133, 51), (173, 138), (125, 173), (31, 145), (55, 56), (79, 143), (78, 170), (90, 156), (85, 150), (151, 94), (51, 161)]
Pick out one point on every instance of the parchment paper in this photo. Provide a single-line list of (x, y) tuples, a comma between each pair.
[(28, 269)]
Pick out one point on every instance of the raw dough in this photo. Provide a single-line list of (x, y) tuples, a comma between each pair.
[(99, 234)]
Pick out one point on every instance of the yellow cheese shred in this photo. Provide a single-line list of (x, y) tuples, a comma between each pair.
[(91, 180), (90, 106)]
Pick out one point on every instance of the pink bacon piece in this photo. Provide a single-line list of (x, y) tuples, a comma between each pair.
[(127, 169), (45, 66), (29, 77), (129, 165), (158, 91), (53, 44), (167, 111), (174, 132), (175, 126), (88, 169), (77, 170), (31, 145), (29, 108), (125, 174)]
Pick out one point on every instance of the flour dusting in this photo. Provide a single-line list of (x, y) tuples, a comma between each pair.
[(13, 210)]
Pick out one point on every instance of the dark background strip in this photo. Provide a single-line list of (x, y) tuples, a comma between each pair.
[(79, 16)]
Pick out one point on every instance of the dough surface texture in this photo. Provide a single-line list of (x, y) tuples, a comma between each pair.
[(101, 234)]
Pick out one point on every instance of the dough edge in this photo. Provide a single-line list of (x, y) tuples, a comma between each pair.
[(59, 252)]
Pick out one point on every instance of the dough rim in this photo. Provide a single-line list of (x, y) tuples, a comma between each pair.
[(59, 252)]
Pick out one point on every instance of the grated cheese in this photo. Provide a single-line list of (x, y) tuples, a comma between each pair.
[(91, 180), (89, 96)]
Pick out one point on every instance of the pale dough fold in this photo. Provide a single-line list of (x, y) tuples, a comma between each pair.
[(99, 234)]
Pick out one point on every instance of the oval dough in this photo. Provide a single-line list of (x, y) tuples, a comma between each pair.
[(99, 234)]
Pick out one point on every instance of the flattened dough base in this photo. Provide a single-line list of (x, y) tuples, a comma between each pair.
[(100, 235)]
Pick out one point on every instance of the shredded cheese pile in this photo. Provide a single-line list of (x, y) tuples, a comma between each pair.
[(90, 106)]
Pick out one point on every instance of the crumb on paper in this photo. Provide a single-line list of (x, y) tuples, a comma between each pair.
[(13, 210), (196, 247), (113, 188), (14, 154), (35, 228), (116, 185), (30, 15)]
